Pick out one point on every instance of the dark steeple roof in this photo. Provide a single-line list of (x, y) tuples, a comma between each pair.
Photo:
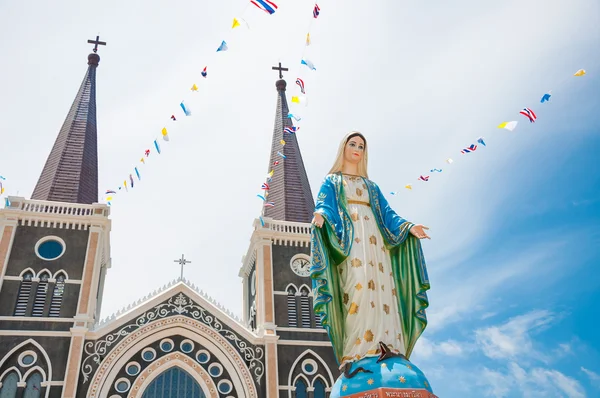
[(289, 188), (71, 171)]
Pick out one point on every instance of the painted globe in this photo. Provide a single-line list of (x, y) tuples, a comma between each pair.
[(392, 377)]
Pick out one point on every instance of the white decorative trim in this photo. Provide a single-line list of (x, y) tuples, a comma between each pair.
[(44, 271), (215, 365), (125, 380), (24, 272), (224, 382), (33, 319), (319, 376), (133, 363), (311, 362), (20, 278), (305, 353), (149, 349), (299, 376), (291, 285), (36, 333), (305, 342), (161, 294), (45, 239), (184, 342), (166, 341), (11, 369), (304, 287), (23, 354), (309, 330), (36, 368), (218, 345), (61, 271)]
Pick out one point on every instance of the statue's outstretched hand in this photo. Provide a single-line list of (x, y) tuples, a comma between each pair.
[(317, 220), (419, 231)]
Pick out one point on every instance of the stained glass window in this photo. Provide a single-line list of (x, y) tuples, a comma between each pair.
[(34, 386), (174, 383), (300, 389), (9, 386), (319, 389)]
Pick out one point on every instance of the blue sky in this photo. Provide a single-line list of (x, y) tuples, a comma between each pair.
[(515, 225)]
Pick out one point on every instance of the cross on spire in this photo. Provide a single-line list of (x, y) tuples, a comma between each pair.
[(182, 261), (96, 43), (280, 69)]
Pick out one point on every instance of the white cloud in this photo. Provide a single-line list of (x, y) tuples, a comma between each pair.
[(593, 376), (513, 338)]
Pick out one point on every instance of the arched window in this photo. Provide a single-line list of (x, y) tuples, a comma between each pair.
[(9, 385), (300, 389), (319, 387), (291, 302), (57, 296), (174, 382), (34, 386), (40, 295), (24, 293), (305, 308)]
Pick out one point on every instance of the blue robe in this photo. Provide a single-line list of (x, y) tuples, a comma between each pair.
[(331, 246)]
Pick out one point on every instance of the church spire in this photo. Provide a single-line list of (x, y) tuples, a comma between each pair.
[(289, 188), (71, 170)]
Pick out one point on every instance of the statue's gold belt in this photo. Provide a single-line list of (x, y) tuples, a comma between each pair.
[(358, 202)]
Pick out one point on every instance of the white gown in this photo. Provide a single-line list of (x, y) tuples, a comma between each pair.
[(370, 303)]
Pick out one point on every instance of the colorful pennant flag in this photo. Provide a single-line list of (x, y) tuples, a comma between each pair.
[(449, 161), (408, 186), (204, 73), (157, 146), (194, 87), (270, 204), (469, 149), (282, 142), (173, 118), (235, 24), (481, 141), (267, 6), (131, 180), (510, 126), (187, 111), (580, 72), (137, 173), (308, 39), (109, 191), (435, 170), (291, 129), (300, 83), (165, 134), (308, 63), (292, 116), (147, 152), (223, 46), (265, 186), (316, 11), (424, 178), (528, 113), (281, 154), (546, 97)]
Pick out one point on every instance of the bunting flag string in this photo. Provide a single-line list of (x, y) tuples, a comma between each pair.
[(526, 112), (184, 110)]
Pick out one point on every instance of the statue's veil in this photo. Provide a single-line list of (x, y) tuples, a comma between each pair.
[(339, 159)]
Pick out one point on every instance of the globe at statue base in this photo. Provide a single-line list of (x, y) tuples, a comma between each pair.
[(392, 377)]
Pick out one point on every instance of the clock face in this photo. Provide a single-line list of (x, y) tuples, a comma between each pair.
[(253, 283), (301, 267)]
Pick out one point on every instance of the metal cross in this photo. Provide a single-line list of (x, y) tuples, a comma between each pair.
[(96, 42), (280, 69), (182, 261)]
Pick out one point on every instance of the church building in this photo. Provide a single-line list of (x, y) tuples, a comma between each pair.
[(177, 342)]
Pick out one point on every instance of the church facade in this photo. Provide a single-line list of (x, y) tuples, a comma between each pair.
[(177, 341)]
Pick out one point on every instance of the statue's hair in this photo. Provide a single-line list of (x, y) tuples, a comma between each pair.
[(339, 160)]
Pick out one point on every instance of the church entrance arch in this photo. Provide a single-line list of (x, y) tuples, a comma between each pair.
[(173, 382), (219, 349)]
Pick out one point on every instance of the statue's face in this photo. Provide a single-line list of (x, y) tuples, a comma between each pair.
[(355, 150)]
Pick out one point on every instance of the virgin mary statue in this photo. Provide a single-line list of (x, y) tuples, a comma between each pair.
[(368, 271)]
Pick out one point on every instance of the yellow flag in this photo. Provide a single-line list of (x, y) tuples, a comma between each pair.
[(271, 173), (580, 72), (308, 39), (236, 23), (408, 186), (508, 125), (282, 142), (142, 160), (2, 191), (194, 87), (165, 134), (108, 198), (295, 99)]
